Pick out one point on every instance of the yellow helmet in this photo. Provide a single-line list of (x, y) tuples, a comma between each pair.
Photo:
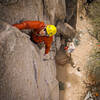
[(51, 30)]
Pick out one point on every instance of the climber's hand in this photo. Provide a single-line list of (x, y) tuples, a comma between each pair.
[(46, 57)]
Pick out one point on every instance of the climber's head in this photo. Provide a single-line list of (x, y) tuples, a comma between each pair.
[(49, 30)]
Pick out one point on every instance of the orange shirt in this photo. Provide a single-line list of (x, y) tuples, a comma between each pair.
[(37, 26)]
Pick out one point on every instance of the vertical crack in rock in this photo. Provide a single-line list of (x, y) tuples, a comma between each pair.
[(43, 7), (35, 71), (8, 2)]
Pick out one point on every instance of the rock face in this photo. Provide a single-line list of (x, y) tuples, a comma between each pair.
[(49, 11), (66, 30), (71, 12), (24, 72)]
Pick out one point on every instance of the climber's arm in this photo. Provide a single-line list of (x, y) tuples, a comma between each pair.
[(30, 25), (47, 49), (21, 26), (48, 45)]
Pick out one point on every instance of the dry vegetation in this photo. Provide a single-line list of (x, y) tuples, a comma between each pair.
[(93, 65), (94, 15)]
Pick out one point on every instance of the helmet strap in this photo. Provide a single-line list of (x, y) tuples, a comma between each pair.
[(46, 32)]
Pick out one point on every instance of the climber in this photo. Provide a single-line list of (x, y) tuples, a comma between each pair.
[(42, 33), (69, 48)]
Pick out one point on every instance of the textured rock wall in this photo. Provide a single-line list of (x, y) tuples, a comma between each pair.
[(46, 10), (50, 11), (25, 73), (71, 12)]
